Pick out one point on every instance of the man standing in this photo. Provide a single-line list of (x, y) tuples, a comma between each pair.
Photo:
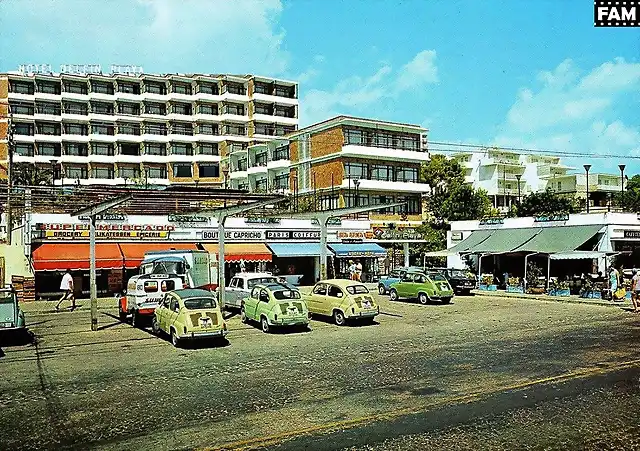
[(635, 290), (67, 287)]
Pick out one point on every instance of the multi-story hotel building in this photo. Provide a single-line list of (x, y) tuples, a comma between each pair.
[(139, 128), (344, 162)]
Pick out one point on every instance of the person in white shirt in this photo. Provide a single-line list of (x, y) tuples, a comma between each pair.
[(67, 287)]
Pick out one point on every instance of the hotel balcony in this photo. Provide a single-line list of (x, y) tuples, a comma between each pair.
[(384, 153)]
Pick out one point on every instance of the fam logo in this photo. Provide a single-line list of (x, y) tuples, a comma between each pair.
[(621, 13)]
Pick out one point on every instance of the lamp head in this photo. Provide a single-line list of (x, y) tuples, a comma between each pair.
[(587, 167), (622, 166)]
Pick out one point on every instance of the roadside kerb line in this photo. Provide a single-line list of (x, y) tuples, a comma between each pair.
[(605, 367)]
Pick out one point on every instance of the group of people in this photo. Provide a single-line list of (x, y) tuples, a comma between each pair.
[(355, 270)]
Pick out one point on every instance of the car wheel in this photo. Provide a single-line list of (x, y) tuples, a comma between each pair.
[(381, 289), (243, 315), (393, 294), (423, 298), (265, 325), (446, 300), (175, 341), (155, 327), (338, 318)]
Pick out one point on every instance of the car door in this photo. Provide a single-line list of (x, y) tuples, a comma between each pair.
[(418, 283), (250, 303), (335, 296), (317, 298), (172, 313), (232, 297), (263, 303), (403, 286), (161, 312)]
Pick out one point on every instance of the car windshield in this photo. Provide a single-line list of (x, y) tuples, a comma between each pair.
[(286, 294), (261, 281), (199, 303), (437, 277), (357, 289), (168, 267), (459, 274)]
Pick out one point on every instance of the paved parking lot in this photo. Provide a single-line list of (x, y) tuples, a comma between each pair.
[(123, 388)]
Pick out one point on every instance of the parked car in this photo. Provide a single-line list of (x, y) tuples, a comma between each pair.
[(143, 294), (461, 281), (11, 316), (242, 284), (422, 286), (275, 304), (189, 314), (343, 300), (394, 276)]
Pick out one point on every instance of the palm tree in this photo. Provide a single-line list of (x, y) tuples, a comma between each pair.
[(31, 175)]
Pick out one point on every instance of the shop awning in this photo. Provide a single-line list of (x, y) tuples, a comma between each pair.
[(552, 240), (75, 256), (249, 252), (579, 255), (506, 240), (477, 237), (296, 249), (358, 250), (134, 252)]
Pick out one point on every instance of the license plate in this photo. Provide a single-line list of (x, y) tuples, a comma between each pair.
[(6, 324), (367, 304)]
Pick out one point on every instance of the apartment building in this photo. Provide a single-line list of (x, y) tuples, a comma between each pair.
[(128, 127), (602, 187), (347, 162)]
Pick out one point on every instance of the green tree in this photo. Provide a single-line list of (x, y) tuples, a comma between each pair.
[(547, 203), (440, 173), (30, 175), (630, 199)]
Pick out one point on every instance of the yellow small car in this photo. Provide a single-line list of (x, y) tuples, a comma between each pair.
[(343, 300), (189, 314)]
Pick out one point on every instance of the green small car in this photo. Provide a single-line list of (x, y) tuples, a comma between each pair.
[(274, 304), (424, 286), (11, 316)]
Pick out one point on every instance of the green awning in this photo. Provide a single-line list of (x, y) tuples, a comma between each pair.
[(477, 237), (553, 240), (506, 240)]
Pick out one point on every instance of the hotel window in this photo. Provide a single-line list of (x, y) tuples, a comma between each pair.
[(284, 111), (128, 88), (234, 88), (182, 170), (328, 202), (412, 206), (281, 153), (155, 108), (48, 149), (262, 88), (102, 149), (75, 87), (404, 174), (101, 108), (100, 87), (244, 186), (208, 170), (155, 88), (102, 129), (24, 149), (131, 149), (180, 88), (241, 165), (350, 200), (263, 108), (48, 108), (208, 149), (22, 108), (382, 172), (207, 108), (559, 186), (76, 108), (21, 128), (155, 129), (129, 172), (233, 108), (356, 170), (76, 149), (208, 88), (409, 143), (181, 149), (76, 172), (382, 200), (158, 149), (47, 128), (76, 129), (234, 129), (182, 129), (102, 172), (281, 181), (261, 184), (283, 130), (353, 136), (383, 139), (286, 91), (261, 159), (49, 88), (181, 108), (208, 129), (156, 172), (129, 128), (132, 109), (264, 129), (21, 87)]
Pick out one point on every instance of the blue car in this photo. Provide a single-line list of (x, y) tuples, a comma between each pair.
[(394, 276)]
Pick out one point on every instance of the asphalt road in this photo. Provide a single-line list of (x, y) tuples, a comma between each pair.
[(481, 373)]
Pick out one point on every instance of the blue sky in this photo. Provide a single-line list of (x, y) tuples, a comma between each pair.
[(525, 73)]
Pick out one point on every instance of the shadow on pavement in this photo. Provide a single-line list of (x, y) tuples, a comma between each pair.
[(16, 338)]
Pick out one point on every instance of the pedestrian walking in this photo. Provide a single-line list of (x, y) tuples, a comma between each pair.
[(358, 271), (352, 270), (66, 285), (635, 290)]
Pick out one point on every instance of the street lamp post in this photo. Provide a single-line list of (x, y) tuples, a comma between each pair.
[(621, 167), (586, 169), (54, 165), (356, 183), (518, 177)]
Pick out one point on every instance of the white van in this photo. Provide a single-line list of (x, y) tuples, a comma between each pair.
[(143, 295), (197, 269)]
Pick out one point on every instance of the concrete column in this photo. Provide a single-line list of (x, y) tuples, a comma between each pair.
[(323, 246), (221, 284), (92, 273), (406, 253)]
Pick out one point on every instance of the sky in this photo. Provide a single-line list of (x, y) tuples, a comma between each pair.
[(532, 74)]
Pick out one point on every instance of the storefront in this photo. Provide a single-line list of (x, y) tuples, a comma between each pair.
[(369, 255), (299, 263), (239, 257)]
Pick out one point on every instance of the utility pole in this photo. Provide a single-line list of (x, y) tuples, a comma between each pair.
[(10, 145)]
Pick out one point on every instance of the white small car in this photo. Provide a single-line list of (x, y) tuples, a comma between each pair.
[(241, 285)]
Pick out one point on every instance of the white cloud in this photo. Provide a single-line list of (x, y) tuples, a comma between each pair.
[(356, 93), (576, 112)]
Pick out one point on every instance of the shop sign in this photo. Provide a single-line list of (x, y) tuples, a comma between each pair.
[(106, 217), (258, 220), (354, 235), (491, 221), (351, 240), (456, 236), (293, 234), (236, 235), (396, 234), (632, 234), (187, 219), (103, 231), (551, 218)]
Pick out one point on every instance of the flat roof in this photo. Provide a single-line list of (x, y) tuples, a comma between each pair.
[(357, 121)]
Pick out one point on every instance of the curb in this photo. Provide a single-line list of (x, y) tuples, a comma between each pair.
[(542, 297)]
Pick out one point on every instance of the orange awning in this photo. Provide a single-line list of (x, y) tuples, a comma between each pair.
[(249, 252), (134, 252), (75, 256)]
